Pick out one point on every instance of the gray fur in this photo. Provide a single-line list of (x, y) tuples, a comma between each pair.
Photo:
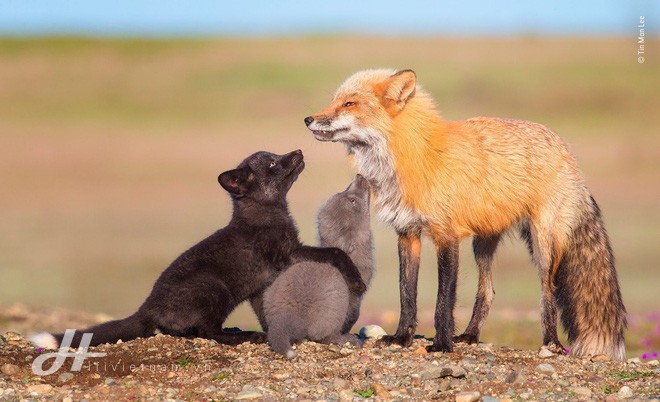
[(311, 300)]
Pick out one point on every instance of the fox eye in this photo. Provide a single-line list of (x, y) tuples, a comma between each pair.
[(352, 200), (272, 164), (348, 104)]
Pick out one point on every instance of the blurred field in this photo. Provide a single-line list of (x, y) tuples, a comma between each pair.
[(110, 151)]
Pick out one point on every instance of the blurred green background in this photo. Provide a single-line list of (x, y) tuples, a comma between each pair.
[(110, 149)]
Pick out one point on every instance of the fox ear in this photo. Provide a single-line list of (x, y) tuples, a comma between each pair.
[(234, 181), (401, 87)]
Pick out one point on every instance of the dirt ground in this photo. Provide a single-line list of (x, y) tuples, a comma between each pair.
[(169, 368)]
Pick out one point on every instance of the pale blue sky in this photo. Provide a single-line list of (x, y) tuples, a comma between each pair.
[(293, 17)]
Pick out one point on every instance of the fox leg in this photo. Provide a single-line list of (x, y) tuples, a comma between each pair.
[(547, 261), (484, 248), (409, 254), (444, 308)]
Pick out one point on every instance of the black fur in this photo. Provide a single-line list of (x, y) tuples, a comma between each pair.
[(409, 244), (444, 309), (196, 293)]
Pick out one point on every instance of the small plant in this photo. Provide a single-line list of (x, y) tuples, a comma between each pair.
[(365, 393), (220, 377), (622, 375), (184, 361), (607, 390)]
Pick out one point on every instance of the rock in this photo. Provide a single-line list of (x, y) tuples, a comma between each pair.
[(653, 362), (281, 376), (43, 389), (546, 369), (470, 360), (345, 395), (110, 382), (633, 360), (582, 391), (10, 369), (372, 331), (468, 396), (601, 358), (431, 371), (625, 392), (345, 351), (380, 391), (65, 377), (339, 383), (545, 353), (515, 377), (489, 399), (3, 341), (170, 374), (420, 351), (364, 359), (67, 399), (249, 392)]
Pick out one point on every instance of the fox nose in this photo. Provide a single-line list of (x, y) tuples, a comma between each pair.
[(309, 120)]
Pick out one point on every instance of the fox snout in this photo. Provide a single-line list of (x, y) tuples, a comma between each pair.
[(309, 120)]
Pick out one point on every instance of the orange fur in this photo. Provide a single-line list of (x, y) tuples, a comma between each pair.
[(477, 177)]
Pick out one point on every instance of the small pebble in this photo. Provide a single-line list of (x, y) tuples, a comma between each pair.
[(582, 391), (249, 392), (545, 353), (65, 377), (625, 392), (380, 391), (110, 382), (601, 358), (339, 383), (468, 396), (653, 362), (545, 368), (372, 331), (9, 369), (420, 351), (431, 371), (43, 389)]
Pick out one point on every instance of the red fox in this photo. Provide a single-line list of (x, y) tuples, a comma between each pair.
[(479, 177)]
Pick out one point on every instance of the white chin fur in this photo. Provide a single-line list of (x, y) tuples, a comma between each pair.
[(44, 340)]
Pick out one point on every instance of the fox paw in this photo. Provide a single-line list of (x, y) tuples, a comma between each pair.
[(436, 347), (556, 348), (387, 340), (466, 338)]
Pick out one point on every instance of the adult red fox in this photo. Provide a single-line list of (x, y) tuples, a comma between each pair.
[(479, 177)]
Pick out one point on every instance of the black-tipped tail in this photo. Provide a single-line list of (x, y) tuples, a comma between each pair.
[(587, 291)]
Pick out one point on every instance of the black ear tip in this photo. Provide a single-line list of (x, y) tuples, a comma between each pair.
[(220, 177)]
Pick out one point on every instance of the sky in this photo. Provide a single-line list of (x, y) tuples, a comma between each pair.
[(174, 18)]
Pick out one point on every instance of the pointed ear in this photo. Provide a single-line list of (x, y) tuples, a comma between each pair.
[(233, 181), (400, 88)]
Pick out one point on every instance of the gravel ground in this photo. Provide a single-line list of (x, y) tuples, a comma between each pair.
[(170, 368)]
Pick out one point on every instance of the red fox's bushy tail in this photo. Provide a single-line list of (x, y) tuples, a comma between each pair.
[(126, 329), (587, 290)]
